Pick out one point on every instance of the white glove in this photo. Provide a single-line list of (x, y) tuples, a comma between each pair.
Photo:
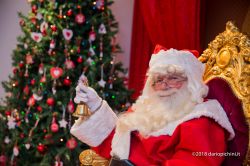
[(88, 96)]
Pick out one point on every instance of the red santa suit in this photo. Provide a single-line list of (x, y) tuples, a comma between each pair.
[(197, 138)]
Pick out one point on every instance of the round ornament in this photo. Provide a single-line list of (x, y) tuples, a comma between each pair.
[(54, 127), (67, 81), (79, 59), (92, 35), (39, 108), (21, 64), (52, 44), (69, 64), (3, 159), (80, 18), (32, 82), (69, 12), (71, 143), (41, 148), (34, 9), (53, 28), (15, 70), (50, 101)]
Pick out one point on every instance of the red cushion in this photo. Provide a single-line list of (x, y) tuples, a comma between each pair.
[(220, 90)]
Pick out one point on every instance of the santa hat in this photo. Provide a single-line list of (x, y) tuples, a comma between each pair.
[(185, 59)]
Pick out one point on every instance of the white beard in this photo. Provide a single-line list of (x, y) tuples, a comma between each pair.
[(152, 113)]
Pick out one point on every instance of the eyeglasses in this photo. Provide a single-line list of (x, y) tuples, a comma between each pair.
[(169, 81)]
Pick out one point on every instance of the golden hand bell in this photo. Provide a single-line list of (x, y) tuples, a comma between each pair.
[(82, 110)]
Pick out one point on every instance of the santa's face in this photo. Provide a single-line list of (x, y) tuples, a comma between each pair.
[(167, 84)]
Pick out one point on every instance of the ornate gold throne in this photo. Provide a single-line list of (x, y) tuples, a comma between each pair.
[(227, 74)]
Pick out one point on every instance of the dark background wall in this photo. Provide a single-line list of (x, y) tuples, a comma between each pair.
[(218, 12)]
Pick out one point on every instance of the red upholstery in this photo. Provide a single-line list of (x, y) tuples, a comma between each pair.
[(220, 90)]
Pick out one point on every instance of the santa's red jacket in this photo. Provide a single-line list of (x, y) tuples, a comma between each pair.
[(197, 139)]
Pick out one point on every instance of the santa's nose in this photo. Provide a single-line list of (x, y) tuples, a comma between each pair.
[(162, 86)]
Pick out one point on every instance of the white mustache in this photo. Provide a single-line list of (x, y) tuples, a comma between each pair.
[(166, 92)]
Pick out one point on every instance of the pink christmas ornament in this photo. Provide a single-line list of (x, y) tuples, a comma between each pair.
[(67, 34), (80, 18), (71, 143), (56, 72), (37, 37), (71, 106), (54, 126)]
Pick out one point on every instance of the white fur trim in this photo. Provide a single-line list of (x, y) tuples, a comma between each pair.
[(121, 145), (211, 109), (94, 130)]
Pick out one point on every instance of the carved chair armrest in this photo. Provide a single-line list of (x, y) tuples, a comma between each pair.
[(90, 158)]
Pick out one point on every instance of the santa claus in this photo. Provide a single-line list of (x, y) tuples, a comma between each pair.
[(169, 124)]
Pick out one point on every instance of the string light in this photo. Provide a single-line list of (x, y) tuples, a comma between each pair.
[(49, 18)]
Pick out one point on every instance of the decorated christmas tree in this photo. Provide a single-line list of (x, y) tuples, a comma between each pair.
[(60, 41)]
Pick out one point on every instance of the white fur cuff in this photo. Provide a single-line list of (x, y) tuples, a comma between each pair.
[(94, 130)]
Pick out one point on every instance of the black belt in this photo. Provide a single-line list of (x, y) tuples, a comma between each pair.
[(117, 162)]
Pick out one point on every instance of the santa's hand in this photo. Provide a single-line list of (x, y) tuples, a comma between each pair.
[(88, 96)]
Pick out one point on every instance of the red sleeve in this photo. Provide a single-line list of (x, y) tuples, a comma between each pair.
[(104, 148), (200, 141)]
